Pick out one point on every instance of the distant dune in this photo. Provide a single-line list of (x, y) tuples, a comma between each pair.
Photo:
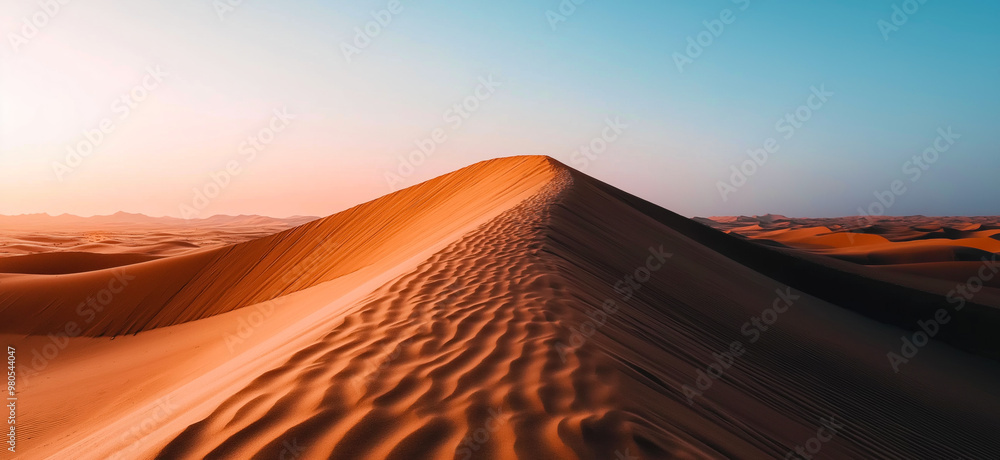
[(515, 308), (132, 220), (30, 234), (947, 248)]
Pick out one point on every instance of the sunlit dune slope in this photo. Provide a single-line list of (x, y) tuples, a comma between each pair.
[(175, 290)]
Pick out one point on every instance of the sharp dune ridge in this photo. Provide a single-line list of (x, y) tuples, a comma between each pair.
[(512, 309)]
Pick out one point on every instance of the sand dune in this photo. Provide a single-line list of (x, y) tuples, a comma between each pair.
[(170, 291), (513, 309), (924, 247), (125, 233), (131, 220), (68, 262)]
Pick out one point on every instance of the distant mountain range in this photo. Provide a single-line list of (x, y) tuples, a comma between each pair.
[(28, 221)]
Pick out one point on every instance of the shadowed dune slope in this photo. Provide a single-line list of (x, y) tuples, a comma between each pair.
[(68, 262), (817, 361), (185, 288)]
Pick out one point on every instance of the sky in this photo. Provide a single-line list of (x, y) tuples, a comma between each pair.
[(194, 108)]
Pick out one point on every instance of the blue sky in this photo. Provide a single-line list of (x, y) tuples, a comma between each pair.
[(354, 120)]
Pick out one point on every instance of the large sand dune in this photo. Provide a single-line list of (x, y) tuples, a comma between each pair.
[(513, 309)]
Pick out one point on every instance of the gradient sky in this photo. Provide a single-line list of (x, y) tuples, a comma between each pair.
[(353, 120)]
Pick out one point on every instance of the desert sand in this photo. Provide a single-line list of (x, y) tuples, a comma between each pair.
[(948, 248), (515, 308), (132, 234)]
